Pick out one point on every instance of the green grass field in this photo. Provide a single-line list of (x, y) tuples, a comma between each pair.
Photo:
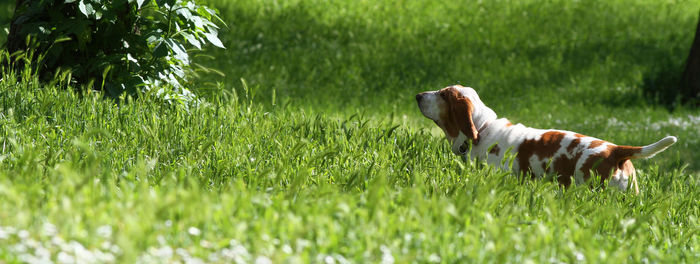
[(322, 156)]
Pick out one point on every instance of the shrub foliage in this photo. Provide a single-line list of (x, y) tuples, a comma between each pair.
[(115, 45)]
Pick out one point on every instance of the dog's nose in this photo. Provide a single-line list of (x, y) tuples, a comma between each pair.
[(419, 96)]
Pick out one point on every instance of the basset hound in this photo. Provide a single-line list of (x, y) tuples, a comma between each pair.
[(475, 131)]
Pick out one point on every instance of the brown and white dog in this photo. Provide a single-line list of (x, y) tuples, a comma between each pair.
[(465, 119)]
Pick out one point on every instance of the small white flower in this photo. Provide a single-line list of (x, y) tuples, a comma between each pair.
[(329, 260), (42, 253), (434, 258), (105, 245), (23, 234), (20, 248), (63, 257), (32, 243), (263, 260), (302, 243), (214, 257), (341, 259), (286, 249), (161, 240), (490, 246), (58, 241), (165, 252), (205, 244), (104, 257), (4, 234), (387, 258), (26, 258), (10, 230), (48, 229), (227, 253), (194, 231), (193, 260), (182, 253), (104, 231), (241, 251), (82, 255), (115, 249), (236, 252)]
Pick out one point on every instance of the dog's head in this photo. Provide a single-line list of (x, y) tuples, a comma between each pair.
[(458, 111)]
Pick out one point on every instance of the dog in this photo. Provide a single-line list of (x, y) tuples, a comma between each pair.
[(475, 131)]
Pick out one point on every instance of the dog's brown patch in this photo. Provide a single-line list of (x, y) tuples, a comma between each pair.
[(612, 157), (495, 150), (595, 144), (545, 147), (458, 114), (565, 167), (450, 127), (572, 146), (600, 163)]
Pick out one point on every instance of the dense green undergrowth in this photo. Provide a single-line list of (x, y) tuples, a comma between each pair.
[(229, 180), (329, 161)]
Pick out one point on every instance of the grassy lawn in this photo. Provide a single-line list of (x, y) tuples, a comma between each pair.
[(322, 155)]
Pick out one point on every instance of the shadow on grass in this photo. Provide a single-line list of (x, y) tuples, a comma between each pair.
[(349, 62), (7, 9), (661, 83)]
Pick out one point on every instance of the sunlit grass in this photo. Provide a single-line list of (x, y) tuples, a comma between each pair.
[(355, 175), (231, 181)]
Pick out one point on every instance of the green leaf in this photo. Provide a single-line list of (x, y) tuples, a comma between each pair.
[(82, 8), (192, 40), (214, 40), (178, 50), (178, 71), (184, 13), (131, 58), (161, 50), (190, 5), (62, 39), (198, 23), (165, 3), (86, 9), (202, 11)]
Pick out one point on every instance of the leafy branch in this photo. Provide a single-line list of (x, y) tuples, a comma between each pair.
[(122, 45)]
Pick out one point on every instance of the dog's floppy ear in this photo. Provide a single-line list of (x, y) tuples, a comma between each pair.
[(460, 114)]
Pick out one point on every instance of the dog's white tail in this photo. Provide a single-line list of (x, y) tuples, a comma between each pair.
[(648, 151)]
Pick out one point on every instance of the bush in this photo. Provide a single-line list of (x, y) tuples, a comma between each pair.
[(114, 45)]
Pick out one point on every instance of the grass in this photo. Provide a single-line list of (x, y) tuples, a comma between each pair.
[(323, 156), (524, 58)]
